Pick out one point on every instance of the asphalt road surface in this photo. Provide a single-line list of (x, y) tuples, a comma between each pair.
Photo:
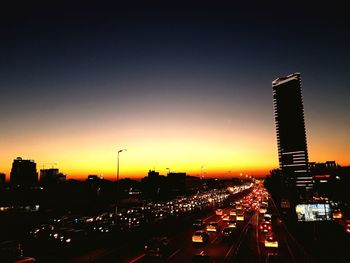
[(246, 245)]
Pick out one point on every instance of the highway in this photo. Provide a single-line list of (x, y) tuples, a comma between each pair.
[(220, 250), (247, 243), (180, 235)]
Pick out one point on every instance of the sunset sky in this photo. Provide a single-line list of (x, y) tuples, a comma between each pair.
[(178, 86)]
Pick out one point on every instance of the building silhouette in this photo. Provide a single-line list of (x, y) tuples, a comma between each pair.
[(327, 166), (51, 176), (154, 185), (177, 183), (291, 134), (2, 179), (23, 172)]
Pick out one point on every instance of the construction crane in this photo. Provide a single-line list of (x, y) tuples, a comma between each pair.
[(52, 165)]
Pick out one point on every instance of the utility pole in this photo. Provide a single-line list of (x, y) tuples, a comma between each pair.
[(202, 171), (116, 203)]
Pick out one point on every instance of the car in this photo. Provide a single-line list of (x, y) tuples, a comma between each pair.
[(239, 207), (200, 236), (265, 227), (232, 212), (105, 228), (212, 227), (267, 217), (218, 212), (262, 209), (273, 257), (347, 228), (72, 237), (198, 223), (271, 241), (264, 203), (240, 216), (201, 257), (43, 230), (232, 223), (227, 232), (57, 233), (157, 247), (41, 234), (225, 217), (337, 214)]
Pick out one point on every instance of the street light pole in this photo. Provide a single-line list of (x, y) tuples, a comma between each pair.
[(116, 205)]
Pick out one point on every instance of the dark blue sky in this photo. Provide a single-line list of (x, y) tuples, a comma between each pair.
[(89, 61), (48, 49)]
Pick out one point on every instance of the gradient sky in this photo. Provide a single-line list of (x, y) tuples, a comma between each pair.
[(179, 86)]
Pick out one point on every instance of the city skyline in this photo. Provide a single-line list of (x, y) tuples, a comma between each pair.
[(178, 88)]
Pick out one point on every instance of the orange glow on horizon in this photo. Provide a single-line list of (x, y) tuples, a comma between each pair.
[(141, 174), (184, 144)]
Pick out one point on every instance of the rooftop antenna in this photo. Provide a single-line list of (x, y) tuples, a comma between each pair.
[(52, 165)]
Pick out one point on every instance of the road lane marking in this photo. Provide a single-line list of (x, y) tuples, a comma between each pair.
[(177, 251), (137, 258), (240, 240), (215, 239), (257, 235), (233, 245), (309, 258), (289, 250), (228, 253), (209, 217)]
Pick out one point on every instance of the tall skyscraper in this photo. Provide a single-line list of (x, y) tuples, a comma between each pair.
[(23, 172), (291, 134)]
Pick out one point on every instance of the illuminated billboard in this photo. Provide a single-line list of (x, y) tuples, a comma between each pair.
[(313, 212)]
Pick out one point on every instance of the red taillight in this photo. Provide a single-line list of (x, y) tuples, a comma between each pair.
[(269, 227), (261, 227)]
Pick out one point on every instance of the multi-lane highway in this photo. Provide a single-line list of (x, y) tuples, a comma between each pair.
[(248, 242), (179, 232), (219, 249)]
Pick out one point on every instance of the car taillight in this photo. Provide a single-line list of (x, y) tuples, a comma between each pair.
[(261, 227), (269, 227)]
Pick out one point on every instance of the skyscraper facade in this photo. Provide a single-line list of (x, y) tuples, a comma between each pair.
[(23, 172), (291, 134)]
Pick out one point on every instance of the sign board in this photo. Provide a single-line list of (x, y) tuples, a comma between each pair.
[(313, 212)]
